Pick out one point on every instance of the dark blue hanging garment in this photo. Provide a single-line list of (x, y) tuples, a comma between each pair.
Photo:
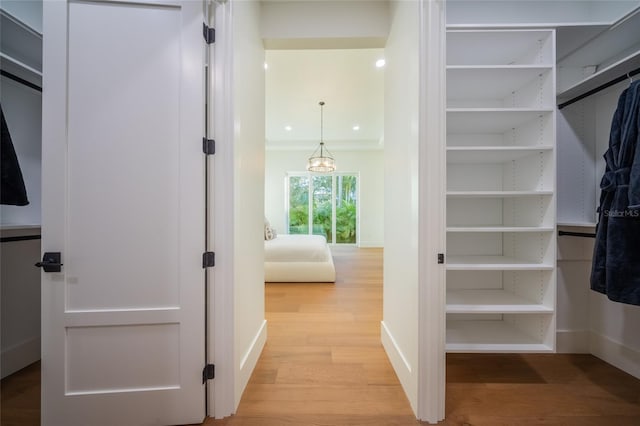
[(616, 259), (12, 189)]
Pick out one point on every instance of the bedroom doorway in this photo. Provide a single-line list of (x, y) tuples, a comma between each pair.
[(399, 154), (346, 206), (323, 205)]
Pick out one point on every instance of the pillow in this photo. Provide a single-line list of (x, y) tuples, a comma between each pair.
[(269, 232)]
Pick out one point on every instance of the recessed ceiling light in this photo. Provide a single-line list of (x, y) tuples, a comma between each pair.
[(356, 127), (288, 128), (380, 63)]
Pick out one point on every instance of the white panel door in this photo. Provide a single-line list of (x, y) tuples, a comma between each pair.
[(123, 201)]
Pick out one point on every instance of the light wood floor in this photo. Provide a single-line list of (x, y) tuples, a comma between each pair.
[(324, 365)]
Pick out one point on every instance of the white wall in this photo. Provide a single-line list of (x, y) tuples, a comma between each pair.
[(324, 24), (20, 301), (28, 11), (400, 293), (368, 163), (248, 145), (572, 302), (587, 321)]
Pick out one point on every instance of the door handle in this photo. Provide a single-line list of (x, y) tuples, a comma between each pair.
[(51, 262)]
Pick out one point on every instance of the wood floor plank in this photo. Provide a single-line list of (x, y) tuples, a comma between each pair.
[(20, 397), (315, 420), (482, 389), (308, 321), (323, 365)]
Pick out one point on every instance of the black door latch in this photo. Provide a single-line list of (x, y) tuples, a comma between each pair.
[(51, 262)]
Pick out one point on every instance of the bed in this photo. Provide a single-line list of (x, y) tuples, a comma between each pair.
[(298, 258)]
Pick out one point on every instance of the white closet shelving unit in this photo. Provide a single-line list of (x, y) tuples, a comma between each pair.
[(501, 190)]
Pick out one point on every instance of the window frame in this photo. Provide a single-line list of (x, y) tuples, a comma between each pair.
[(334, 179)]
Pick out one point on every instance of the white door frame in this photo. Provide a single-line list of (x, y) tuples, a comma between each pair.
[(432, 158), (221, 297), (432, 207)]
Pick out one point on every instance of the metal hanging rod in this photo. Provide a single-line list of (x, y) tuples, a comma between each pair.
[(600, 88), (20, 80), (576, 234), (20, 238)]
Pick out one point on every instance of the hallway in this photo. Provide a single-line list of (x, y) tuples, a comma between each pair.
[(323, 362)]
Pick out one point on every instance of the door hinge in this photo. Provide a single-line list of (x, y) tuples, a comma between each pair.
[(208, 373), (440, 258), (208, 33), (208, 259), (208, 146)]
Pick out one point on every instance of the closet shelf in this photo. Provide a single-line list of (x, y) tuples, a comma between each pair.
[(494, 263), (540, 67), (613, 51), (500, 229), (578, 224), (500, 110), (602, 76), (492, 154), (491, 120), (490, 336), (495, 83), (476, 47), (610, 45), (491, 301), (495, 194)]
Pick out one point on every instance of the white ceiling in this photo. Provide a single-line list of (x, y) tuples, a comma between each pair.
[(349, 83)]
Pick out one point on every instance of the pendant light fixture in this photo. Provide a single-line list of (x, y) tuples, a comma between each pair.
[(321, 161)]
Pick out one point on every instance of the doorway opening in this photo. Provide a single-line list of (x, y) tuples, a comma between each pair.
[(345, 206)]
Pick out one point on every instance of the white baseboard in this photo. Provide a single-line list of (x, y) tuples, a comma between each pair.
[(19, 356), (572, 341), (623, 357), (400, 364), (250, 359)]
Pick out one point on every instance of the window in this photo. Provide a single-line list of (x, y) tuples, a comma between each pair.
[(323, 205)]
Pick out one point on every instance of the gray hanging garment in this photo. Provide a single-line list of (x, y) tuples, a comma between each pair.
[(616, 259), (12, 189)]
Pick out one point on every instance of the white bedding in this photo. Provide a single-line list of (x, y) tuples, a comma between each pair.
[(298, 258)]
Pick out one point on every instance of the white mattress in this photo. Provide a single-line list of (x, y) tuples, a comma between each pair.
[(298, 258), (296, 248)]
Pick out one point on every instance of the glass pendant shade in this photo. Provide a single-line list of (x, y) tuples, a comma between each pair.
[(321, 161)]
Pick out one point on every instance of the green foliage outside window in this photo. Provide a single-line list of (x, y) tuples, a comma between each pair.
[(299, 205), (345, 202)]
